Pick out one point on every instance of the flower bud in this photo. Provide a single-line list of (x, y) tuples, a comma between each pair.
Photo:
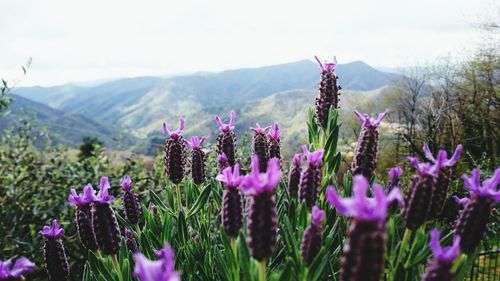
[(226, 141), (328, 95), (274, 137), (260, 146), (310, 179), (131, 204), (198, 169), (56, 262), (365, 155), (130, 240), (174, 153), (313, 236), (232, 218), (84, 218), (294, 175), (473, 219)]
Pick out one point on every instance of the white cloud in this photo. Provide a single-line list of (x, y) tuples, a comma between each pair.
[(86, 40)]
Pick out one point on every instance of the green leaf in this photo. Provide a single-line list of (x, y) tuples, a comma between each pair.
[(182, 230), (200, 202)]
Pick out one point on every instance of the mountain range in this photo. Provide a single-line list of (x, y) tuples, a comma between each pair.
[(139, 105)]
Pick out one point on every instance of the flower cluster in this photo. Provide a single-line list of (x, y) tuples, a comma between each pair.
[(328, 96)]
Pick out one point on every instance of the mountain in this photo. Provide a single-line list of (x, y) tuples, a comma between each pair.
[(64, 128), (139, 105)]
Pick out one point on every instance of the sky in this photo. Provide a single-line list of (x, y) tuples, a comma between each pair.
[(72, 41)]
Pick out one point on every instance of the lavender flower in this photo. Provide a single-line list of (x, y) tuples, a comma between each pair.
[(56, 262), (313, 236), (418, 201), (17, 270), (473, 219), (131, 204), (222, 162), (174, 152), (130, 240), (104, 223), (226, 141), (84, 218), (274, 136), (260, 146), (394, 176), (161, 269), (328, 95), (262, 228), (232, 218), (294, 175), (443, 179), (198, 169), (310, 179), (365, 155), (439, 269), (364, 249)]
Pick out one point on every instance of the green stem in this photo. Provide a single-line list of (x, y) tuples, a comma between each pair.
[(236, 270), (404, 245), (179, 197), (262, 270), (116, 265), (458, 262)]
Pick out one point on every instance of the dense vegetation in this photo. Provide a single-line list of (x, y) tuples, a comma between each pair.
[(461, 107)]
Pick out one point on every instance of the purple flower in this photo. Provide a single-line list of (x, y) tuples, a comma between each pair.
[(226, 141), (232, 217), (161, 269), (368, 121), (222, 162), (473, 220), (84, 216), (328, 96), (317, 216), (103, 194), (104, 222), (260, 146), (53, 231), (274, 132), (198, 169), (328, 66), (447, 162), (360, 206), (310, 179), (176, 133), (174, 153), (394, 175), (364, 250), (56, 262), (262, 227), (313, 236), (130, 240), (365, 155), (131, 205), (226, 127), (9, 270), (486, 190), (231, 176), (294, 175), (446, 255), (195, 143), (439, 269), (257, 182)]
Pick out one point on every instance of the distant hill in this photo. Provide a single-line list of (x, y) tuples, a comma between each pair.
[(64, 128), (139, 105)]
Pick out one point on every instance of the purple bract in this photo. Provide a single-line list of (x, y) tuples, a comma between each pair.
[(226, 127), (176, 133), (161, 269), (256, 182), (53, 231), (360, 206), (368, 121)]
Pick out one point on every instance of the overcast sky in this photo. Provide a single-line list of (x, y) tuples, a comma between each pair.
[(99, 39)]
